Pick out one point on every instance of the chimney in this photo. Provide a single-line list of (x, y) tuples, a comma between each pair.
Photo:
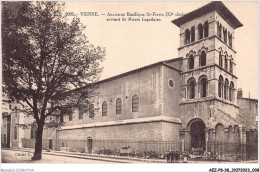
[(239, 93)]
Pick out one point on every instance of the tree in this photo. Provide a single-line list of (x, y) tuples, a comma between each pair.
[(47, 60)]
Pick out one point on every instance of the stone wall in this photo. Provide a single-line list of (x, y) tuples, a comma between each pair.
[(171, 95), (248, 110), (146, 84)]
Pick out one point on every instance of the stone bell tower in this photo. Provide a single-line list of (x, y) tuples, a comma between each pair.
[(208, 77)]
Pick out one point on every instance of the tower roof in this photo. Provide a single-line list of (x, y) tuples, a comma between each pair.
[(213, 6)]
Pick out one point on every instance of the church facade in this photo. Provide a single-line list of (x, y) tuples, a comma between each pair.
[(190, 100)]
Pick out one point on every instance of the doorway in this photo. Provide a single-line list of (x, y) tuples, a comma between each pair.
[(50, 144), (197, 134), (89, 144)]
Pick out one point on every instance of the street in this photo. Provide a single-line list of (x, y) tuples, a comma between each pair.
[(10, 156)]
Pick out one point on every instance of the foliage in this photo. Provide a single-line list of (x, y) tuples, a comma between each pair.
[(46, 60), (49, 66)]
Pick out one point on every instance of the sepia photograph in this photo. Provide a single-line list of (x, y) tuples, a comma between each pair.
[(166, 85)]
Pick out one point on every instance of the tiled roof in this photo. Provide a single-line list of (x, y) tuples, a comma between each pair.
[(164, 63), (213, 6), (142, 68)]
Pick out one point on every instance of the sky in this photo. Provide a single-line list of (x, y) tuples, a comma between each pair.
[(133, 44)]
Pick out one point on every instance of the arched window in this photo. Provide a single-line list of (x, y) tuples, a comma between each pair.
[(203, 58), (226, 63), (91, 111), (191, 88), (225, 35), (219, 31), (135, 103), (231, 66), (118, 106), (191, 62), (193, 34), (203, 86), (15, 132), (206, 29), (220, 60), (104, 108), (200, 28), (230, 39), (187, 36), (226, 89), (220, 86), (231, 91)]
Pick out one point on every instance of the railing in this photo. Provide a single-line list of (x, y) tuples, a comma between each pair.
[(30, 143), (111, 147), (153, 149)]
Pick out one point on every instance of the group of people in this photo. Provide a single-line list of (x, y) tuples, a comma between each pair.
[(173, 156)]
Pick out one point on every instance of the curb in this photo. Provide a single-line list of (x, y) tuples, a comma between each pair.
[(89, 156)]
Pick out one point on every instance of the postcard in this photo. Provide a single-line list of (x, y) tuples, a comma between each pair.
[(141, 86)]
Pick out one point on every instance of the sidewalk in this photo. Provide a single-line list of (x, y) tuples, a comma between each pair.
[(107, 158), (118, 159)]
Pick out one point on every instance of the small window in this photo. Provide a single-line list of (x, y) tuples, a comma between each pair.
[(220, 86), (91, 111), (220, 60), (118, 106), (203, 85), (15, 132), (193, 34), (200, 28), (61, 119), (219, 31), (226, 63), (187, 36), (203, 58), (226, 89), (80, 114), (171, 83), (70, 117), (231, 66), (191, 62), (135, 103), (231, 92), (206, 29), (230, 39), (191, 89), (104, 108), (225, 35)]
